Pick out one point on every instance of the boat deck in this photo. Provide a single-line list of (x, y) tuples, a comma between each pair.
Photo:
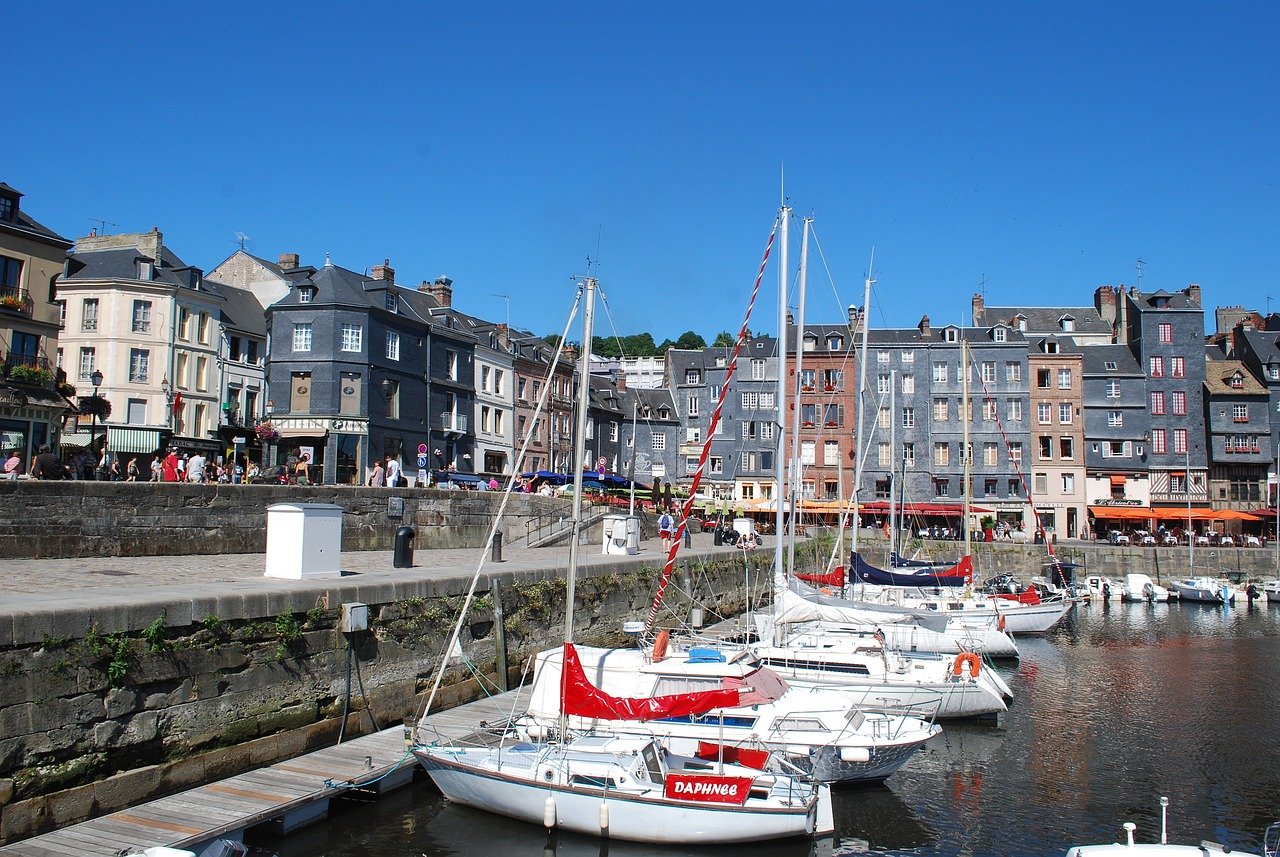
[(286, 796)]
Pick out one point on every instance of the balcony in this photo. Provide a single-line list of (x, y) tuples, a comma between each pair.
[(13, 300), (26, 369), (453, 423)]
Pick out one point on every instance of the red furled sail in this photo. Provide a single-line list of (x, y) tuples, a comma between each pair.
[(1027, 596), (580, 698), (830, 578)]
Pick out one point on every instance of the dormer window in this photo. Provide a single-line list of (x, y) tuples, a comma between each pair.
[(306, 294), (8, 207), (1050, 346), (393, 301), (664, 414), (998, 334), (720, 362), (810, 343), (1067, 323), (835, 343), (146, 270), (1110, 365), (951, 335), (1021, 323), (1237, 381)]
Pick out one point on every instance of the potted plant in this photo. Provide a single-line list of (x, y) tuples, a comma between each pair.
[(12, 302), (266, 432)]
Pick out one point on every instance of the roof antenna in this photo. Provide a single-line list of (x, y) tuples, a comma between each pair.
[(103, 224), (507, 298), (1140, 266), (241, 237)]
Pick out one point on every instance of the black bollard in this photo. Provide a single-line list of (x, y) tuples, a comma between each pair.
[(496, 553), (717, 535), (688, 536), (402, 557)]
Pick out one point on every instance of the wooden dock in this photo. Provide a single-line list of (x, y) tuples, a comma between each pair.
[(284, 797)]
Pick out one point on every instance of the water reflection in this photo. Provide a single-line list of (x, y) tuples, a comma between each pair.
[(1122, 704)]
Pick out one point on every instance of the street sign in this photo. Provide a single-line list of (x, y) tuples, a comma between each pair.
[(422, 449), (422, 477), (422, 461), (238, 441)]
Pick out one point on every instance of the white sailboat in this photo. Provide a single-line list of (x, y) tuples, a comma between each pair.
[(1163, 848), (630, 787)]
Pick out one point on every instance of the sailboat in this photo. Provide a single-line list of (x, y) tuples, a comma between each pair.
[(632, 786)]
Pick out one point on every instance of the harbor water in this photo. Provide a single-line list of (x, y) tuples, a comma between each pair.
[(1121, 704)]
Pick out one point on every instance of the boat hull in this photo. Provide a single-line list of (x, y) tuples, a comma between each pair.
[(633, 818)]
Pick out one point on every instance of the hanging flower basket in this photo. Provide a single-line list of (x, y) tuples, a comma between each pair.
[(266, 432)]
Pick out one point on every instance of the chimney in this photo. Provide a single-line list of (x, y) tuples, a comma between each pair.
[(979, 304), (385, 272), (924, 325), (289, 261), (147, 243), (856, 319), (1104, 301), (1193, 291), (441, 290), (791, 319), (620, 380), (853, 317)]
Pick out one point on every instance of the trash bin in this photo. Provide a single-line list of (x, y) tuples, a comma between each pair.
[(717, 535), (402, 557)]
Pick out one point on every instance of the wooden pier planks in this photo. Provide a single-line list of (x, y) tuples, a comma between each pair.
[(254, 797)]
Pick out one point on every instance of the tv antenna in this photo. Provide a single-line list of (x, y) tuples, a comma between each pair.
[(1140, 266), (506, 298), (102, 224), (241, 238)]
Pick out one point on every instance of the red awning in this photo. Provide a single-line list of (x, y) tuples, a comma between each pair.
[(952, 509), (1121, 513), (1117, 480)]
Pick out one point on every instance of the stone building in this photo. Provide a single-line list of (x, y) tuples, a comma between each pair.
[(31, 257), (822, 360), (1116, 436), (1239, 434)]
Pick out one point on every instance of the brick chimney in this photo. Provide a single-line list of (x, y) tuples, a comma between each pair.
[(1104, 301), (924, 325), (1193, 291), (384, 272), (288, 261), (979, 304), (148, 244), (441, 290), (620, 380)]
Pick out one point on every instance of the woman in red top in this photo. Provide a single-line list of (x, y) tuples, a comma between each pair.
[(169, 469)]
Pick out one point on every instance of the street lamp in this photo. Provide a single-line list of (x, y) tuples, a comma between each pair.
[(168, 401), (96, 379)]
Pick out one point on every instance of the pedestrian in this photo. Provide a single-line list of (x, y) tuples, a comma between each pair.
[(108, 469), (666, 527), (195, 468), (169, 468), (655, 494), (379, 476), (302, 470), (131, 470), (157, 469), (46, 465), (12, 465), (182, 466), (493, 483), (393, 471)]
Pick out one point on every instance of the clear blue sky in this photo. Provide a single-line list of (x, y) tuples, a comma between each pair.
[(1045, 147)]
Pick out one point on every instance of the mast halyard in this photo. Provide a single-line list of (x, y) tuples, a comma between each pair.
[(779, 460), (794, 494)]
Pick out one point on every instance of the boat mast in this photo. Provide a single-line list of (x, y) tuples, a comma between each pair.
[(779, 462), (964, 447), (892, 522), (579, 451), (862, 392), (631, 475), (1191, 533), (794, 514)]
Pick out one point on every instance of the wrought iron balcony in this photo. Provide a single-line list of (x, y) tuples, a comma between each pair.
[(13, 300)]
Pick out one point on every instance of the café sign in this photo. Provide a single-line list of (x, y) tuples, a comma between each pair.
[(320, 425)]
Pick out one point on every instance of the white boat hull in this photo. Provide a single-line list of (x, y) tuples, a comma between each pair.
[(1272, 589), (514, 793), (1204, 590)]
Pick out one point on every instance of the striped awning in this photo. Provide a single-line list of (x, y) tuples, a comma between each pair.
[(131, 439)]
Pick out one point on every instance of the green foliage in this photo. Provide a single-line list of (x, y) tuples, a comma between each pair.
[(95, 643), (287, 628), (118, 667), (53, 644), (153, 634), (690, 340), (212, 622), (31, 375), (724, 339), (316, 615)]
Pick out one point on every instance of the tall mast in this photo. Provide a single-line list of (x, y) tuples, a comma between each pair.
[(964, 446), (579, 451), (795, 419), (779, 460), (893, 406), (862, 393)]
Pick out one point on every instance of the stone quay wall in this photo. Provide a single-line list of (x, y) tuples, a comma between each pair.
[(107, 708), (70, 519)]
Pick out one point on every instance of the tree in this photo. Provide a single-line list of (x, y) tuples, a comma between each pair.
[(690, 340), (724, 339)]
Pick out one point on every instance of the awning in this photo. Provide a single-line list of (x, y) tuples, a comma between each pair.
[(443, 476), (303, 432), (1117, 480), (139, 440), (1121, 513)]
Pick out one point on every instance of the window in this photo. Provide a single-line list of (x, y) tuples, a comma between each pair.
[(758, 370), (717, 463), (89, 315), (393, 302), (352, 337), (393, 400), (202, 329), (1040, 483), (808, 452), (1067, 448), (1178, 403), (498, 378), (692, 376), (484, 418), (1115, 418), (940, 487), (988, 372), (941, 454), (1044, 413), (882, 489), (658, 441), (750, 401), (883, 454), (909, 454), (808, 415), (1240, 413), (1109, 365), (202, 366), (520, 389), (1166, 332), (908, 357), (1157, 367), (908, 384), (998, 334), (1113, 389), (990, 454), (989, 410), (8, 207), (748, 430), (883, 383), (393, 345), (882, 418), (302, 337), (693, 406), (182, 381), (484, 378), (87, 356), (831, 453), (766, 431), (142, 318), (766, 400), (989, 487), (1065, 412), (1068, 483), (940, 410), (1015, 451), (1180, 441), (251, 351), (1177, 483), (451, 365), (1178, 368), (693, 434), (1043, 378), (1015, 488), (1064, 379), (939, 373), (184, 323), (908, 417), (138, 360), (1159, 441), (1013, 371), (808, 380), (835, 343), (1157, 402), (1014, 411), (1046, 446), (306, 294), (834, 416)]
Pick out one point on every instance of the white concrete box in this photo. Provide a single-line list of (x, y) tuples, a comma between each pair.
[(621, 535), (304, 540)]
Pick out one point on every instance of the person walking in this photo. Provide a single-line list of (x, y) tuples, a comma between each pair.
[(393, 472), (195, 468), (131, 470), (12, 465), (303, 469), (666, 527), (169, 468), (379, 476), (47, 465), (157, 468)]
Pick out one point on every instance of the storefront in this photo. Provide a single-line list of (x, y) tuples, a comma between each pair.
[(337, 446), (29, 419)]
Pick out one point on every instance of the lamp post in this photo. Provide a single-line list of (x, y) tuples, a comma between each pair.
[(96, 379), (168, 402), (268, 454)]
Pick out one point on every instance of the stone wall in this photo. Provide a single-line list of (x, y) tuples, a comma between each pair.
[(69, 519), (164, 696)]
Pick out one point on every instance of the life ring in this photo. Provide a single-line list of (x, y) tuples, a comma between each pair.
[(973, 661), (660, 645), (1000, 623)]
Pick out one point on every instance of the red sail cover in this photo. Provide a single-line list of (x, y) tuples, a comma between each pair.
[(580, 698), (1027, 596), (833, 578)]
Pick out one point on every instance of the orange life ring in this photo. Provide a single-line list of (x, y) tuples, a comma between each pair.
[(660, 645), (971, 659)]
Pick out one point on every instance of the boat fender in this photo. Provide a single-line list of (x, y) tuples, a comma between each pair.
[(971, 659), (855, 754), (660, 645), (604, 817), (1000, 623), (549, 813)]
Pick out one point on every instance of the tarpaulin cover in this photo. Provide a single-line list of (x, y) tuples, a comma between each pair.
[(580, 698), (957, 575), (831, 578)]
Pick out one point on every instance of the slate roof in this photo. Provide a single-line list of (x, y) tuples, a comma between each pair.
[(242, 311), (1165, 300), (1046, 320), (121, 263), (27, 225), (1265, 343), (1097, 356)]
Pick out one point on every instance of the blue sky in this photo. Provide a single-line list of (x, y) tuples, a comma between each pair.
[(1045, 148)]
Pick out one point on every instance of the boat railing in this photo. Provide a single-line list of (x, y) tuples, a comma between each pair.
[(1271, 840)]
